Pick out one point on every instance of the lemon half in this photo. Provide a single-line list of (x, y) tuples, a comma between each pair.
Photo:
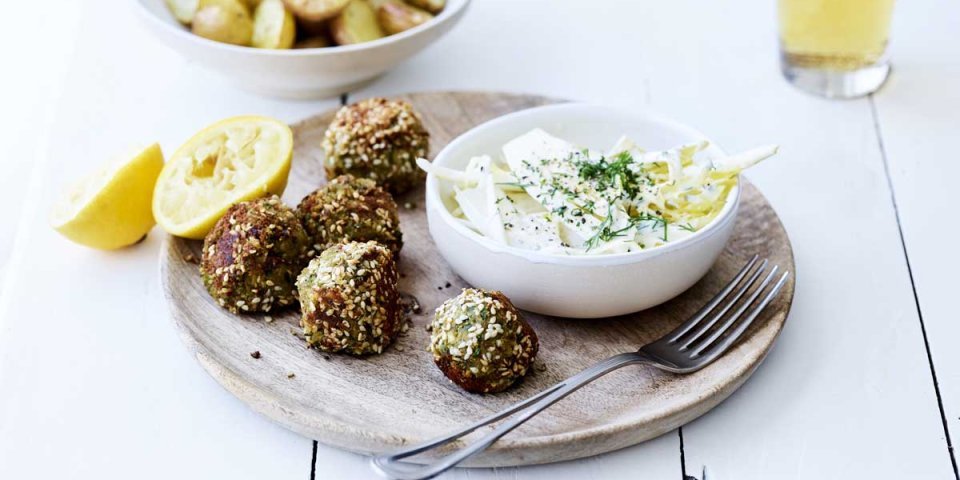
[(231, 161), (111, 208)]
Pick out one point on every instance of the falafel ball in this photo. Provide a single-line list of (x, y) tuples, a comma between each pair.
[(349, 299), (378, 139), (480, 341), (252, 256), (351, 209)]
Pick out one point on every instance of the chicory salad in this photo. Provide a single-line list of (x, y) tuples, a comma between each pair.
[(546, 194)]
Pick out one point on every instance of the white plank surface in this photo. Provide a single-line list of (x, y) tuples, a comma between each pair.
[(847, 393), (816, 410), (95, 382), (103, 388), (26, 96), (919, 116)]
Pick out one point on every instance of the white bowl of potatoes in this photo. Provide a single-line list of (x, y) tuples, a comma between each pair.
[(300, 48)]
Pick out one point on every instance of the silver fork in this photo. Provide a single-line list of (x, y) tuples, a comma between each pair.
[(688, 348)]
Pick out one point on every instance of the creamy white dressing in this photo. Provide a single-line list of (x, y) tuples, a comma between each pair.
[(546, 194)]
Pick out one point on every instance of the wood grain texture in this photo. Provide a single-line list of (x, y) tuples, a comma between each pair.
[(378, 403)]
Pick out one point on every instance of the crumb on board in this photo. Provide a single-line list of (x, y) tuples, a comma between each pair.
[(291, 375), (268, 319), (447, 285), (255, 354), (410, 304), (191, 258)]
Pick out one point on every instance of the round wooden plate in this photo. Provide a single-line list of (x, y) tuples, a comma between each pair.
[(378, 403)]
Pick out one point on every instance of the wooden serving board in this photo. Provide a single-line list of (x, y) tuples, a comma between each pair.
[(378, 403)]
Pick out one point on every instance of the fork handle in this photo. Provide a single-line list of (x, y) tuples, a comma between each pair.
[(391, 466)]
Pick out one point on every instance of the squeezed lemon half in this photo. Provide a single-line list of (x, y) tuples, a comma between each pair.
[(231, 161), (111, 208)]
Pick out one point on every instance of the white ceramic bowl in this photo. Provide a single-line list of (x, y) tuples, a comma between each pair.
[(299, 73), (574, 286)]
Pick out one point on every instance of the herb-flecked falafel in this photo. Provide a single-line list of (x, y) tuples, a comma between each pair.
[(252, 256), (349, 299), (378, 139), (480, 341), (351, 209)]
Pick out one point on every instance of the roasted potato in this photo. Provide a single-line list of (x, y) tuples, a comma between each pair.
[(316, 10), (183, 10), (395, 16), (273, 26), (226, 21), (357, 23), (313, 42), (432, 6)]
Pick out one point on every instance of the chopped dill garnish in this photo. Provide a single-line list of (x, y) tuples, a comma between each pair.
[(515, 184), (605, 232), (652, 218), (612, 174)]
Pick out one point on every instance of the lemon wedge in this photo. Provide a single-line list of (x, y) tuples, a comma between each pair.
[(231, 161), (111, 208)]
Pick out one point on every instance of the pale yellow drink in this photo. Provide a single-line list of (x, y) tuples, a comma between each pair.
[(834, 35)]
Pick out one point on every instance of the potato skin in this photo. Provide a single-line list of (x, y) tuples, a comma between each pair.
[(357, 23), (224, 21), (183, 10), (432, 6), (315, 10), (395, 16), (266, 32)]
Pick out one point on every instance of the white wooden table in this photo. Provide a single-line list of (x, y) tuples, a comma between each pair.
[(864, 383)]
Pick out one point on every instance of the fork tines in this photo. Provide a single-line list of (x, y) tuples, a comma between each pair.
[(713, 329)]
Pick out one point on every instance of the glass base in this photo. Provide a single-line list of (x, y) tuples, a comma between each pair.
[(836, 83)]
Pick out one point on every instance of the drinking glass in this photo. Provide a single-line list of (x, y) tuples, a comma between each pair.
[(835, 48)]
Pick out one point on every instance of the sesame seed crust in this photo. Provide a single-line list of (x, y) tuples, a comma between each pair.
[(480, 341), (351, 209), (349, 299), (252, 256), (378, 139)]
